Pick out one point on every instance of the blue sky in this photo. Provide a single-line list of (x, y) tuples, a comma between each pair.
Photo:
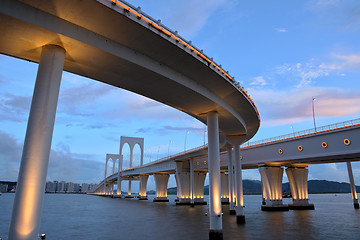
[(282, 52)]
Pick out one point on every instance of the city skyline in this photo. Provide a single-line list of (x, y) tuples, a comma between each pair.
[(305, 50)]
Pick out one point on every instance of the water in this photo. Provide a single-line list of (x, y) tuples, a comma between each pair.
[(67, 216)]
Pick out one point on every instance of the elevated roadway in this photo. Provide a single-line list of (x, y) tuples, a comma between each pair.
[(334, 143), (114, 43)]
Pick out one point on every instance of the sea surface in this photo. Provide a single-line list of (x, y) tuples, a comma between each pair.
[(75, 216)]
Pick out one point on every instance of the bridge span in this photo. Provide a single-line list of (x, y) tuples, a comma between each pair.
[(333, 143), (113, 42)]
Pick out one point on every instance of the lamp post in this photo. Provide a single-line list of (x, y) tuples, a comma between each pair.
[(185, 140), (313, 109), (169, 148), (292, 130)]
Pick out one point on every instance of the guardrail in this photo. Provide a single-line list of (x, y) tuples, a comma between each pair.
[(305, 132), (187, 44)]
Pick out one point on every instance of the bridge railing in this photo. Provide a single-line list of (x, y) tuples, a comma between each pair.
[(305, 132), (187, 44)]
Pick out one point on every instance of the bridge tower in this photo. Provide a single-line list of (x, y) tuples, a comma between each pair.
[(114, 158), (132, 142)]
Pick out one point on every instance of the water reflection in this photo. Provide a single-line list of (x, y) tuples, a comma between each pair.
[(91, 217)]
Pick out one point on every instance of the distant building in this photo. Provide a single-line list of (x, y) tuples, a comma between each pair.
[(50, 187), (84, 187), (3, 188)]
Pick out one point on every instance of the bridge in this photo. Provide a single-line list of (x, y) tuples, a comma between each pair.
[(115, 43), (329, 144)]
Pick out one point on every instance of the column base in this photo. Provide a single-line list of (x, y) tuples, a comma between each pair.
[(356, 205), (240, 219), (302, 207), (232, 212), (161, 199), (275, 208), (129, 196), (215, 235)]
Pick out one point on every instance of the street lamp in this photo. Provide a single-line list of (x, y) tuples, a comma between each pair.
[(293, 130), (157, 157), (313, 109), (185, 140), (169, 148)]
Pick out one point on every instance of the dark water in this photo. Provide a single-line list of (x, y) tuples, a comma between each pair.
[(91, 217)]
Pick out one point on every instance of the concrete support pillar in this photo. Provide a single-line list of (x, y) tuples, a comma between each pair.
[(106, 163), (129, 190), (239, 207), (182, 174), (142, 188), (161, 181), (231, 182), (199, 180), (352, 186), (191, 163), (26, 213), (118, 176), (215, 211), (271, 178), (299, 188), (224, 188)]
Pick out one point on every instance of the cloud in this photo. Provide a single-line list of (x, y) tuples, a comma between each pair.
[(193, 14), (281, 30), (73, 100), (343, 62), (14, 108), (284, 107), (331, 171), (304, 73), (259, 81), (10, 155), (63, 164)]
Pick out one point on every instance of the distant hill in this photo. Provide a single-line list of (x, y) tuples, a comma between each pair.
[(315, 186)]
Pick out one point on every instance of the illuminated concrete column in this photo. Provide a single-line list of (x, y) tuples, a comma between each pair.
[(199, 180), (271, 178), (177, 188), (26, 213), (161, 182), (224, 188), (299, 188), (239, 207), (118, 176), (142, 189), (129, 190), (215, 211), (352, 186), (191, 163), (231, 182), (131, 161), (106, 162), (182, 173)]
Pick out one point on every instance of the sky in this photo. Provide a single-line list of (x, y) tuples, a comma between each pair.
[(283, 53)]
